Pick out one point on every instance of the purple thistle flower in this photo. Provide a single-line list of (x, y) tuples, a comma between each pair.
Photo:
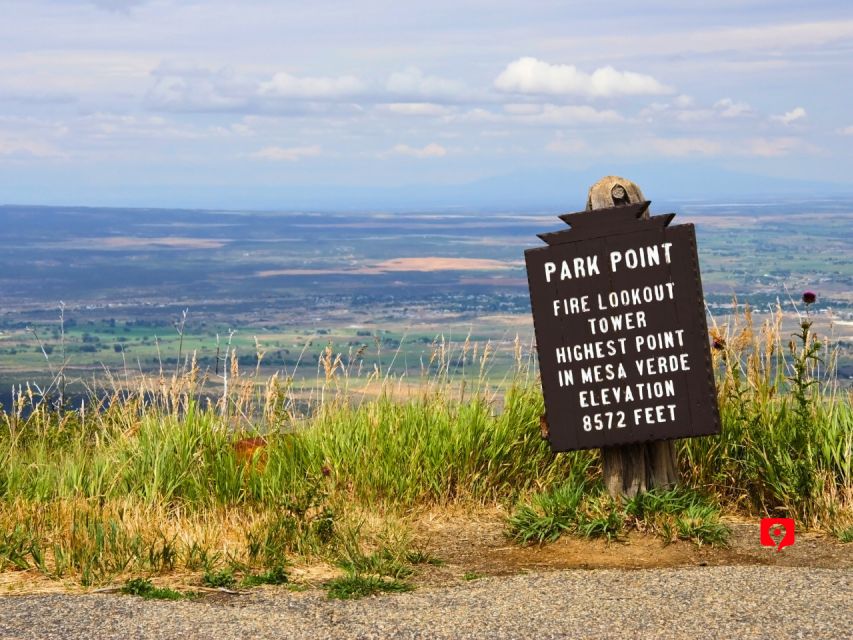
[(809, 297)]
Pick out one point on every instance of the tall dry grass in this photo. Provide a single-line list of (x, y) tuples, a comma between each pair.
[(148, 476)]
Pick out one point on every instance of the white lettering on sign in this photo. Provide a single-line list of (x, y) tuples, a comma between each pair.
[(591, 350), (660, 340), (662, 364), (602, 372), (607, 420), (649, 256), (628, 393), (635, 296), (576, 268), (619, 341), (625, 321), (565, 377), (654, 415), (575, 304)]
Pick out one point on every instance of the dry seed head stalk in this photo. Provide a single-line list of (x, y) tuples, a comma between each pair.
[(194, 371)]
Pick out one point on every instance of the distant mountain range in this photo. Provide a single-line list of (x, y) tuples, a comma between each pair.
[(543, 189)]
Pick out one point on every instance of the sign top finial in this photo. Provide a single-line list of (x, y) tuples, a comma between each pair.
[(613, 191)]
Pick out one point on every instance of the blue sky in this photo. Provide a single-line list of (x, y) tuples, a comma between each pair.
[(263, 104)]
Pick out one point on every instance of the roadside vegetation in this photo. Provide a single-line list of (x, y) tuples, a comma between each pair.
[(236, 479)]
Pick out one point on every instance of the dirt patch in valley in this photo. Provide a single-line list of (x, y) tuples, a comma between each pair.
[(394, 265)]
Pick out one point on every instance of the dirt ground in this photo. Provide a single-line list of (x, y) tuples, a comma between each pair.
[(479, 547), (474, 545)]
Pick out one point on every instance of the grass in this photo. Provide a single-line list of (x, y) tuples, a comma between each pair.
[(354, 586), (786, 448), (221, 579), (420, 556), (275, 576), (145, 589), (166, 477), (679, 513), (575, 509)]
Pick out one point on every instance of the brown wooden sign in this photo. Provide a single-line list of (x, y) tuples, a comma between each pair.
[(620, 330)]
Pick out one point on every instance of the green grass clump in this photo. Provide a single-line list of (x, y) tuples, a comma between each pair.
[(600, 518), (222, 579), (353, 586), (678, 514), (547, 515), (275, 576), (845, 535), (577, 509), (382, 563), (145, 589), (421, 556)]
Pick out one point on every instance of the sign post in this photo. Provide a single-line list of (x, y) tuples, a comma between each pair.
[(621, 337)]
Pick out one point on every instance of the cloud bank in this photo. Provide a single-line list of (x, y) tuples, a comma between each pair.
[(534, 77)]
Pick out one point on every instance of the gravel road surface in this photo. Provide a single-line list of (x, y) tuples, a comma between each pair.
[(699, 602)]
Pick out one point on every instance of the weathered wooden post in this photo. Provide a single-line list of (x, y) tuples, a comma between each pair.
[(631, 469), (622, 338)]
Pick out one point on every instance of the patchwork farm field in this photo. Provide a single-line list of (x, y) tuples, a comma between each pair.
[(141, 290)]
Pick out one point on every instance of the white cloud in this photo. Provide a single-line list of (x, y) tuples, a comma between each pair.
[(431, 150), (770, 38), (797, 113), (750, 147), (187, 89), (416, 109), (182, 88), (572, 114), (412, 82), (120, 6), (286, 154), (16, 147), (479, 115), (523, 108), (773, 147), (728, 108), (285, 85), (846, 131), (532, 76), (567, 146), (687, 146), (543, 115)]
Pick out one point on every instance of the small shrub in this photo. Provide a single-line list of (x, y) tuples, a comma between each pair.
[(353, 586), (144, 588), (15, 546), (548, 515), (601, 519), (678, 513), (380, 563), (223, 578), (275, 575), (672, 514)]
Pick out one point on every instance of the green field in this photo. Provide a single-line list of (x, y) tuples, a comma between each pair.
[(391, 287)]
